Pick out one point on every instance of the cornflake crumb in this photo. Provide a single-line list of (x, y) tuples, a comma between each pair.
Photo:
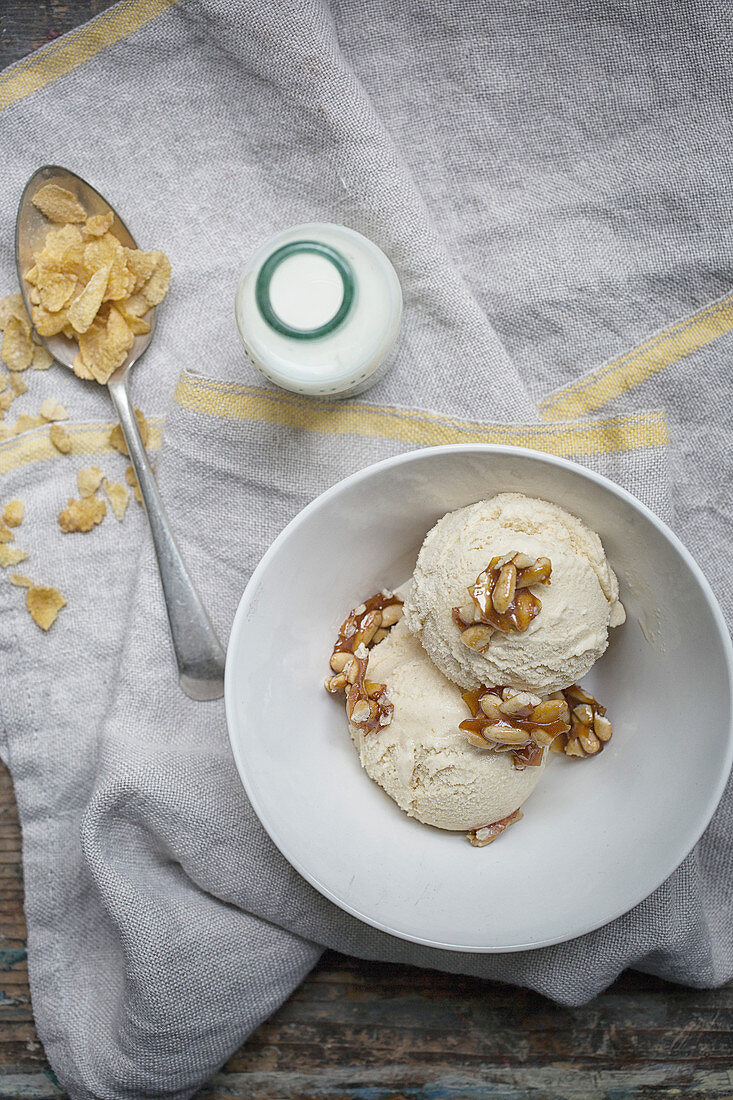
[(117, 439), (20, 581), (89, 479), (131, 479), (25, 423), (53, 410), (13, 513), (118, 497), (60, 439), (16, 350), (82, 515), (98, 224), (18, 385), (42, 359), (12, 305), (81, 370), (6, 535), (44, 605), (11, 555)]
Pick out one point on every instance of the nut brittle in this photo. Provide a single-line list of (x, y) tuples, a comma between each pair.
[(590, 729), (486, 834), (367, 704), (501, 599)]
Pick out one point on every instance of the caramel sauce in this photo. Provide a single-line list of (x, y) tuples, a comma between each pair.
[(575, 694), (528, 756)]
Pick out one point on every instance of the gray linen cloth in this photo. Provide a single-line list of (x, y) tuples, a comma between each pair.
[(551, 184)]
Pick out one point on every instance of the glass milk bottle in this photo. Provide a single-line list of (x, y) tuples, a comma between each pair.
[(318, 309)]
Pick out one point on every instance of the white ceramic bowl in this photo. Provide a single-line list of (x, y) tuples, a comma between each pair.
[(598, 835)]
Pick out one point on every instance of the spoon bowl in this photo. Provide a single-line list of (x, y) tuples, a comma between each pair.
[(199, 653), (31, 228)]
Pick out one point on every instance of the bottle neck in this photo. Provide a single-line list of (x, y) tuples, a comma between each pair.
[(305, 290)]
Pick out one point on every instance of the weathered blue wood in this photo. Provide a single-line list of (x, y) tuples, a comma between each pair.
[(10, 957), (29, 1086), (666, 1080)]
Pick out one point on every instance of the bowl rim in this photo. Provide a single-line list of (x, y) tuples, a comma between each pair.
[(418, 454)]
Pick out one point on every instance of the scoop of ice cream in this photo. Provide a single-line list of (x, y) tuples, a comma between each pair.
[(578, 605), (421, 759)]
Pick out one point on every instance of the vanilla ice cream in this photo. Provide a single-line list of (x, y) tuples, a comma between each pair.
[(578, 605), (421, 759)]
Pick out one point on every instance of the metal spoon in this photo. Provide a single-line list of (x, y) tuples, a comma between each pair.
[(198, 652)]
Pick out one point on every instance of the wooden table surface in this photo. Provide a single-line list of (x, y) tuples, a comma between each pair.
[(369, 1031)]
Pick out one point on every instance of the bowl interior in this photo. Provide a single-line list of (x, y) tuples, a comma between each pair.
[(598, 835)]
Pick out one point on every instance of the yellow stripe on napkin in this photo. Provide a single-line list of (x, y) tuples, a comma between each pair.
[(86, 439), (600, 386), (73, 49), (421, 429)]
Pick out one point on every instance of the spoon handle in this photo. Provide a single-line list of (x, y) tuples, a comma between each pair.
[(198, 652)]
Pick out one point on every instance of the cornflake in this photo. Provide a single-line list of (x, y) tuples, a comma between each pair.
[(64, 247), (25, 423), (6, 535), (20, 581), (156, 288), (51, 324), (131, 479), (117, 439), (58, 204), (138, 326), (82, 515), (60, 438), (88, 480), (52, 410), (13, 306), (44, 605), (118, 497), (17, 347), (14, 513), (42, 359), (18, 385), (85, 306), (11, 555), (108, 252), (105, 344), (81, 370), (98, 224), (53, 288)]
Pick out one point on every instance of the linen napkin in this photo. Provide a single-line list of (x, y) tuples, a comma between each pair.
[(550, 183)]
